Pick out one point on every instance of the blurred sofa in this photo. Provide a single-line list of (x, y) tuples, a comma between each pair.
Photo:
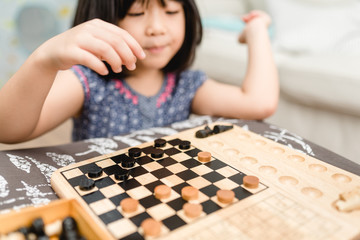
[(316, 45)]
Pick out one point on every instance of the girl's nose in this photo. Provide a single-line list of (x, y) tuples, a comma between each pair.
[(155, 25)]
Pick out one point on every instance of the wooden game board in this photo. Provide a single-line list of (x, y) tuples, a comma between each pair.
[(295, 198)]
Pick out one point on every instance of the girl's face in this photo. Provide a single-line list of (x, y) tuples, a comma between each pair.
[(160, 30)]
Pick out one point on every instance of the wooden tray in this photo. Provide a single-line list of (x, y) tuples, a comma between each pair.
[(55, 210)]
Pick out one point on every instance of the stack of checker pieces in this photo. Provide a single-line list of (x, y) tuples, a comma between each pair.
[(103, 182)]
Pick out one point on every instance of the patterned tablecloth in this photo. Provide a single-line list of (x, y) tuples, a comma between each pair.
[(25, 174)]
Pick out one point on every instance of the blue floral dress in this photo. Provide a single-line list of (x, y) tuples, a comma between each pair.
[(112, 107)]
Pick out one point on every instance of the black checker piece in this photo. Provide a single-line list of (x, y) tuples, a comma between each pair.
[(159, 142), (134, 152), (86, 184), (88, 167), (112, 169), (122, 174), (148, 150), (76, 180), (119, 158), (95, 172)]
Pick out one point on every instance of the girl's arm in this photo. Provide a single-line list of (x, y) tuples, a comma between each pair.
[(257, 98), (39, 97)]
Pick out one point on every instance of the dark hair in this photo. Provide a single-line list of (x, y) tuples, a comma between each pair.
[(114, 10)]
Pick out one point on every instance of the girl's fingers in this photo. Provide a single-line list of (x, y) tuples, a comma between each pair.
[(100, 41), (91, 61), (120, 47), (250, 16), (257, 14), (125, 45), (103, 51), (131, 42)]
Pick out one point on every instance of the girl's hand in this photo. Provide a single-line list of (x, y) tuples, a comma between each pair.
[(90, 44), (252, 19)]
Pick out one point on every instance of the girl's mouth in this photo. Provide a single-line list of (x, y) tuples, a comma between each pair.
[(155, 49)]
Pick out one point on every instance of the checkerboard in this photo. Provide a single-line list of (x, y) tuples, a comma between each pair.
[(295, 198), (176, 168)]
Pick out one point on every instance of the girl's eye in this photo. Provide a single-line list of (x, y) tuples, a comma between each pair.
[(135, 14), (172, 12)]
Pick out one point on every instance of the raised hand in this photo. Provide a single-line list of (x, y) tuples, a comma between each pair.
[(90, 44), (254, 19)]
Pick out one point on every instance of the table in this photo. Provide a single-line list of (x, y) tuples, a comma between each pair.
[(25, 174)]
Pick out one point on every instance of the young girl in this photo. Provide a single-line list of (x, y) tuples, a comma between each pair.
[(124, 66)]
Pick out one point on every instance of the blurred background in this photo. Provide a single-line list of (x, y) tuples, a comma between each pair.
[(316, 46), (25, 24)]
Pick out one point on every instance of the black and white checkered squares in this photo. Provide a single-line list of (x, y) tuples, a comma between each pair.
[(174, 167)]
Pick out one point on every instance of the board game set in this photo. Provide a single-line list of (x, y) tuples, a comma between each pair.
[(213, 182)]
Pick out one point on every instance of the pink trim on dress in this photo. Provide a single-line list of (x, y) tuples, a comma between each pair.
[(122, 90), (86, 82), (168, 90)]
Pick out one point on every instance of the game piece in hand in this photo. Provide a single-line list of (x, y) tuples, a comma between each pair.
[(221, 128), (95, 172), (251, 181), (159, 142), (129, 205), (122, 174), (189, 193), (225, 196), (157, 153), (184, 145), (151, 227), (204, 156), (86, 184), (134, 152), (192, 210), (162, 191)]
